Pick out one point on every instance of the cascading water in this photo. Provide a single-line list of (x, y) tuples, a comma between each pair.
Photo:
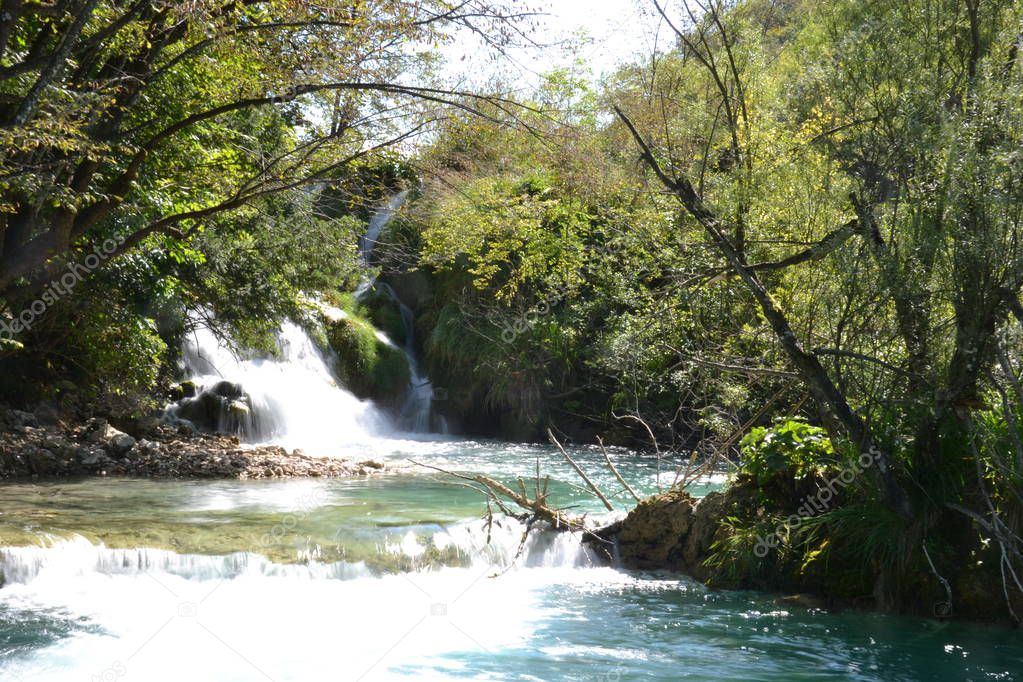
[(291, 400), (377, 223), (389, 578), (397, 579), (415, 414)]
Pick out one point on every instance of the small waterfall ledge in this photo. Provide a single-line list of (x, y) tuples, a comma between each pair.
[(292, 400), (466, 544)]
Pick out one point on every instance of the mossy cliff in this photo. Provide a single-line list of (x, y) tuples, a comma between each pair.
[(368, 364)]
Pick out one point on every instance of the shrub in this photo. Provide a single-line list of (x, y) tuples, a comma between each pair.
[(790, 446)]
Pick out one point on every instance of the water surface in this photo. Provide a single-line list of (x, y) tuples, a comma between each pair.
[(405, 577)]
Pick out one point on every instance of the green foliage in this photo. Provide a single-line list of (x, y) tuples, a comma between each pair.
[(733, 556), (864, 534), (384, 313), (361, 186), (569, 281), (496, 381), (120, 349), (253, 274), (231, 150), (511, 233), (790, 447), (92, 349)]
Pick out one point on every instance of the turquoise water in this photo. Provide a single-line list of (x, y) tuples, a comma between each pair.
[(394, 578)]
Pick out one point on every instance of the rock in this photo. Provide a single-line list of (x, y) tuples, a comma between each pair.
[(224, 407), (182, 390), (228, 389), (23, 419), (92, 457), (238, 409), (101, 433), (97, 448), (146, 426), (42, 462), (47, 414), (58, 445), (674, 531), (203, 411), (95, 430), (120, 444), (653, 535)]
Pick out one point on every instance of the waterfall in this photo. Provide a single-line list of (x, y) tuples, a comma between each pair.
[(291, 400), (378, 222), (62, 559), (415, 413)]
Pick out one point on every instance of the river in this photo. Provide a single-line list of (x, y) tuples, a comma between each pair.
[(393, 578), (399, 576)]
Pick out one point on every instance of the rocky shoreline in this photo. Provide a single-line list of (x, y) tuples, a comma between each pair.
[(679, 533), (34, 446)]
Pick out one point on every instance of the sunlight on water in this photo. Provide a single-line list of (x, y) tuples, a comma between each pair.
[(394, 578)]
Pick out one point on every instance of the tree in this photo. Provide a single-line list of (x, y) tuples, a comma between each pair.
[(121, 120), (711, 46), (904, 118)]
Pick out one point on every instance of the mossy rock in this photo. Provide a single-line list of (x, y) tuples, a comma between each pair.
[(385, 314), (368, 367)]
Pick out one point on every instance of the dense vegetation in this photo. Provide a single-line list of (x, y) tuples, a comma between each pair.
[(792, 241)]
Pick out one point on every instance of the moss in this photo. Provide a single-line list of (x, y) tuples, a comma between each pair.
[(385, 314), (368, 366)]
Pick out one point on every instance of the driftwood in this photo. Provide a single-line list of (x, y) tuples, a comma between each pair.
[(536, 509), (582, 474), (614, 470)]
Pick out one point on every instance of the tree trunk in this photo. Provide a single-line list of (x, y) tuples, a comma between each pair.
[(810, 370)]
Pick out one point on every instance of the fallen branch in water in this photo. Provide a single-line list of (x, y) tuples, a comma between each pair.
[(538, 508), (582, 474), (614, 470)]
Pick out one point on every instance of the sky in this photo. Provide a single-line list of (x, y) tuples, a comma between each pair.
[(616, 31)]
